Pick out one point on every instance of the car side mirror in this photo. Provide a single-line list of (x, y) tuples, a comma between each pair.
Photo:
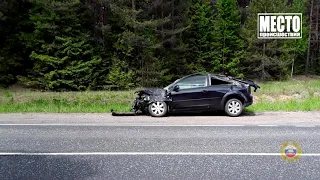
[(176, 88)]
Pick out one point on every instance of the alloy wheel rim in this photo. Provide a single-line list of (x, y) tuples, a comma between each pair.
[(234, 107), (157, 108)]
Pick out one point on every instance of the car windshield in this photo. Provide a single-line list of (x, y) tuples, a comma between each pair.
[(189, 82), (170, 86)]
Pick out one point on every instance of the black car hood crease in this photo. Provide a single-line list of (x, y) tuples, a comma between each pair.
[(155, 94)]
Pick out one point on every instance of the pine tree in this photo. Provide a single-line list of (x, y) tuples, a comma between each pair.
[(13, 55), (174, 50), (298, 48), (199, 36), (63, 58), (270, 59), (136, 41), (228, 45)]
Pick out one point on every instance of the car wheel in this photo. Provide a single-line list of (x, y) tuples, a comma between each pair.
[(158, 109), (233, 107)]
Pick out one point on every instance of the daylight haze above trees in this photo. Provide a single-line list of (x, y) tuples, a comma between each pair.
[(121, 44)]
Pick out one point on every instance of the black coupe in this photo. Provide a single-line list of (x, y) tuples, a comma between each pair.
[(197, 93)]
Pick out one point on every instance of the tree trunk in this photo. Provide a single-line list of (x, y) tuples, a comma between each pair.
[(133, 3), (308, 54), (264, 56)]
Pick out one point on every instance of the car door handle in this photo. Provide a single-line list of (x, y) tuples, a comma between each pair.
[(204, 91)]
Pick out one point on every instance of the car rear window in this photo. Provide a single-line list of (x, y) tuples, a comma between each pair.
[(215, 81)]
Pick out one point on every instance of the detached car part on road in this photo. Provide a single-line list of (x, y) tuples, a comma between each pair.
[(196, 93)]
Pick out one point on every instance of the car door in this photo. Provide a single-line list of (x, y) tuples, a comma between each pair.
[(216, 93), (217, 88), (192, 94)]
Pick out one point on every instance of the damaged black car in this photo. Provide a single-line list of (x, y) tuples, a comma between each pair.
[(197, 93)]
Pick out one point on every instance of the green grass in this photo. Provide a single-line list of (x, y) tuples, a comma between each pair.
[(309, 104), (293, 95), (33, 101)]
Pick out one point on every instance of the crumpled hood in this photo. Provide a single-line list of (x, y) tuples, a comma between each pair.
[(154, 92)]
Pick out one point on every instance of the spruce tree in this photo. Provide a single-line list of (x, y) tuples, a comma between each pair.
[(270, 58), (199, 36), (136, 42), (63, 58), (13, 54), (228, 44)]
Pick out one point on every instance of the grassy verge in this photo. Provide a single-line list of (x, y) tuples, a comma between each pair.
[(293, 95), (30, 101)]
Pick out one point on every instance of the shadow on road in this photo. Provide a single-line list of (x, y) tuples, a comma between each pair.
[(214, 113), (44, 167), (217, 113)]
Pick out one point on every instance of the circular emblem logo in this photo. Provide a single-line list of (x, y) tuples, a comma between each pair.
[(290, 152)]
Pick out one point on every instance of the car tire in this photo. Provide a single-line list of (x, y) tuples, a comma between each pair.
[(158, 109), (233, 107)]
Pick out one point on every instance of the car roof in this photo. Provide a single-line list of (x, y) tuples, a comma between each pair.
[(210, 74)]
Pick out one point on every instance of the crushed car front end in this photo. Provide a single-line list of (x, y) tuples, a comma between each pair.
[(146, 97)]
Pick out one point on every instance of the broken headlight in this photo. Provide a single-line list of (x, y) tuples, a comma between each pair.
[(146, 98)]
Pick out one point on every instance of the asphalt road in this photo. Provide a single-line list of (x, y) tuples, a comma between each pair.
[(99, 146)]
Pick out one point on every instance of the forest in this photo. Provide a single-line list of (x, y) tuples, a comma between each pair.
[(77, 45)]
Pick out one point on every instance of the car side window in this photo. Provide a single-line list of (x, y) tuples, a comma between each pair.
[(215, 81), (193, 82)]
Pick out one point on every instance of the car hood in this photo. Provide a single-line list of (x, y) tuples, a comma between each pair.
[(153, 92)]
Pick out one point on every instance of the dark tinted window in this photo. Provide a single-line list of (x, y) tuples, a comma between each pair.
[(193, 82), (218, 82)]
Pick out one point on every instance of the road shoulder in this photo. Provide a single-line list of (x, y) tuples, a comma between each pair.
[(266, 118)]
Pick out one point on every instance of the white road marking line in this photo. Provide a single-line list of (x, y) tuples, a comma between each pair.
[(268, 125), (305, 126), (144, 154), (158, 125), (130, 125)]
